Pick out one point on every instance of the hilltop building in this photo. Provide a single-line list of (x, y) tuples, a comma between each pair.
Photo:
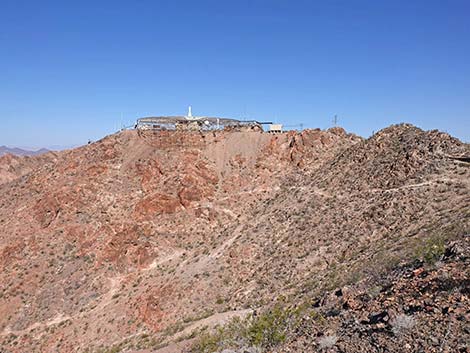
[(202, 123)]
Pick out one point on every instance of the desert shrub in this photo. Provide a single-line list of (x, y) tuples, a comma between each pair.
[(243, 350), (262, 331), (327, 341), (431, 250), (402, 323), (268, 329)]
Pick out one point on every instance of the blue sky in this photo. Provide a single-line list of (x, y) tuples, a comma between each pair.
[(69, 70)]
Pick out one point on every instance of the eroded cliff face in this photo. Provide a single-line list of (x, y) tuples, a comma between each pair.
[(130, 235)]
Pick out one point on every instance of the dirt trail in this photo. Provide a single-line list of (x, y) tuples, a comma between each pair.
[(221, 249), (174, 255), (59, 318), (418, 185), (211, 321)]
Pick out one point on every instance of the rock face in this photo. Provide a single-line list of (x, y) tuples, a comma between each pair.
[(140, 240)]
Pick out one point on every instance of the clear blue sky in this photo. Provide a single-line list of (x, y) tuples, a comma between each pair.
[(68, 70)]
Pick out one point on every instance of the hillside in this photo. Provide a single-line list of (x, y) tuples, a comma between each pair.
[(16, 162), (144, 242), (13, 167)]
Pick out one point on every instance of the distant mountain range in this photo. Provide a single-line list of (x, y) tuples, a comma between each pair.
[(21, 152)]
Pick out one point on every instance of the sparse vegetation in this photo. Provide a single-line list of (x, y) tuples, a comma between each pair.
[(402, 324), (327, 341), (326, 219), (264, 331), (432, 249)]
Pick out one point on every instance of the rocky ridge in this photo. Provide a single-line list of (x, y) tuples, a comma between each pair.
[(143, 242)]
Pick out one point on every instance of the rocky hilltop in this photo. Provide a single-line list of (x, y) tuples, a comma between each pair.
[(291, 242)]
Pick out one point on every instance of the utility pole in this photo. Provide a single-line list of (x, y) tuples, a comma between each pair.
[(335, 120)]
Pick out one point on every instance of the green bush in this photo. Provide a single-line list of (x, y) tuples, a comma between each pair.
[(268, 329), (264, 330), (432, 250)]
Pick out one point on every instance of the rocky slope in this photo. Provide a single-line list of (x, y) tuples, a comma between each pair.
[(91, 243), (14, 166), (144, 242), (418, 307)]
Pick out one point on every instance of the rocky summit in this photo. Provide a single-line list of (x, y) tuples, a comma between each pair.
[(238, 241)]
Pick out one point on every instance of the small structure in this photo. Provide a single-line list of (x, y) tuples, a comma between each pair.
[(190, 114), (275, 128)]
